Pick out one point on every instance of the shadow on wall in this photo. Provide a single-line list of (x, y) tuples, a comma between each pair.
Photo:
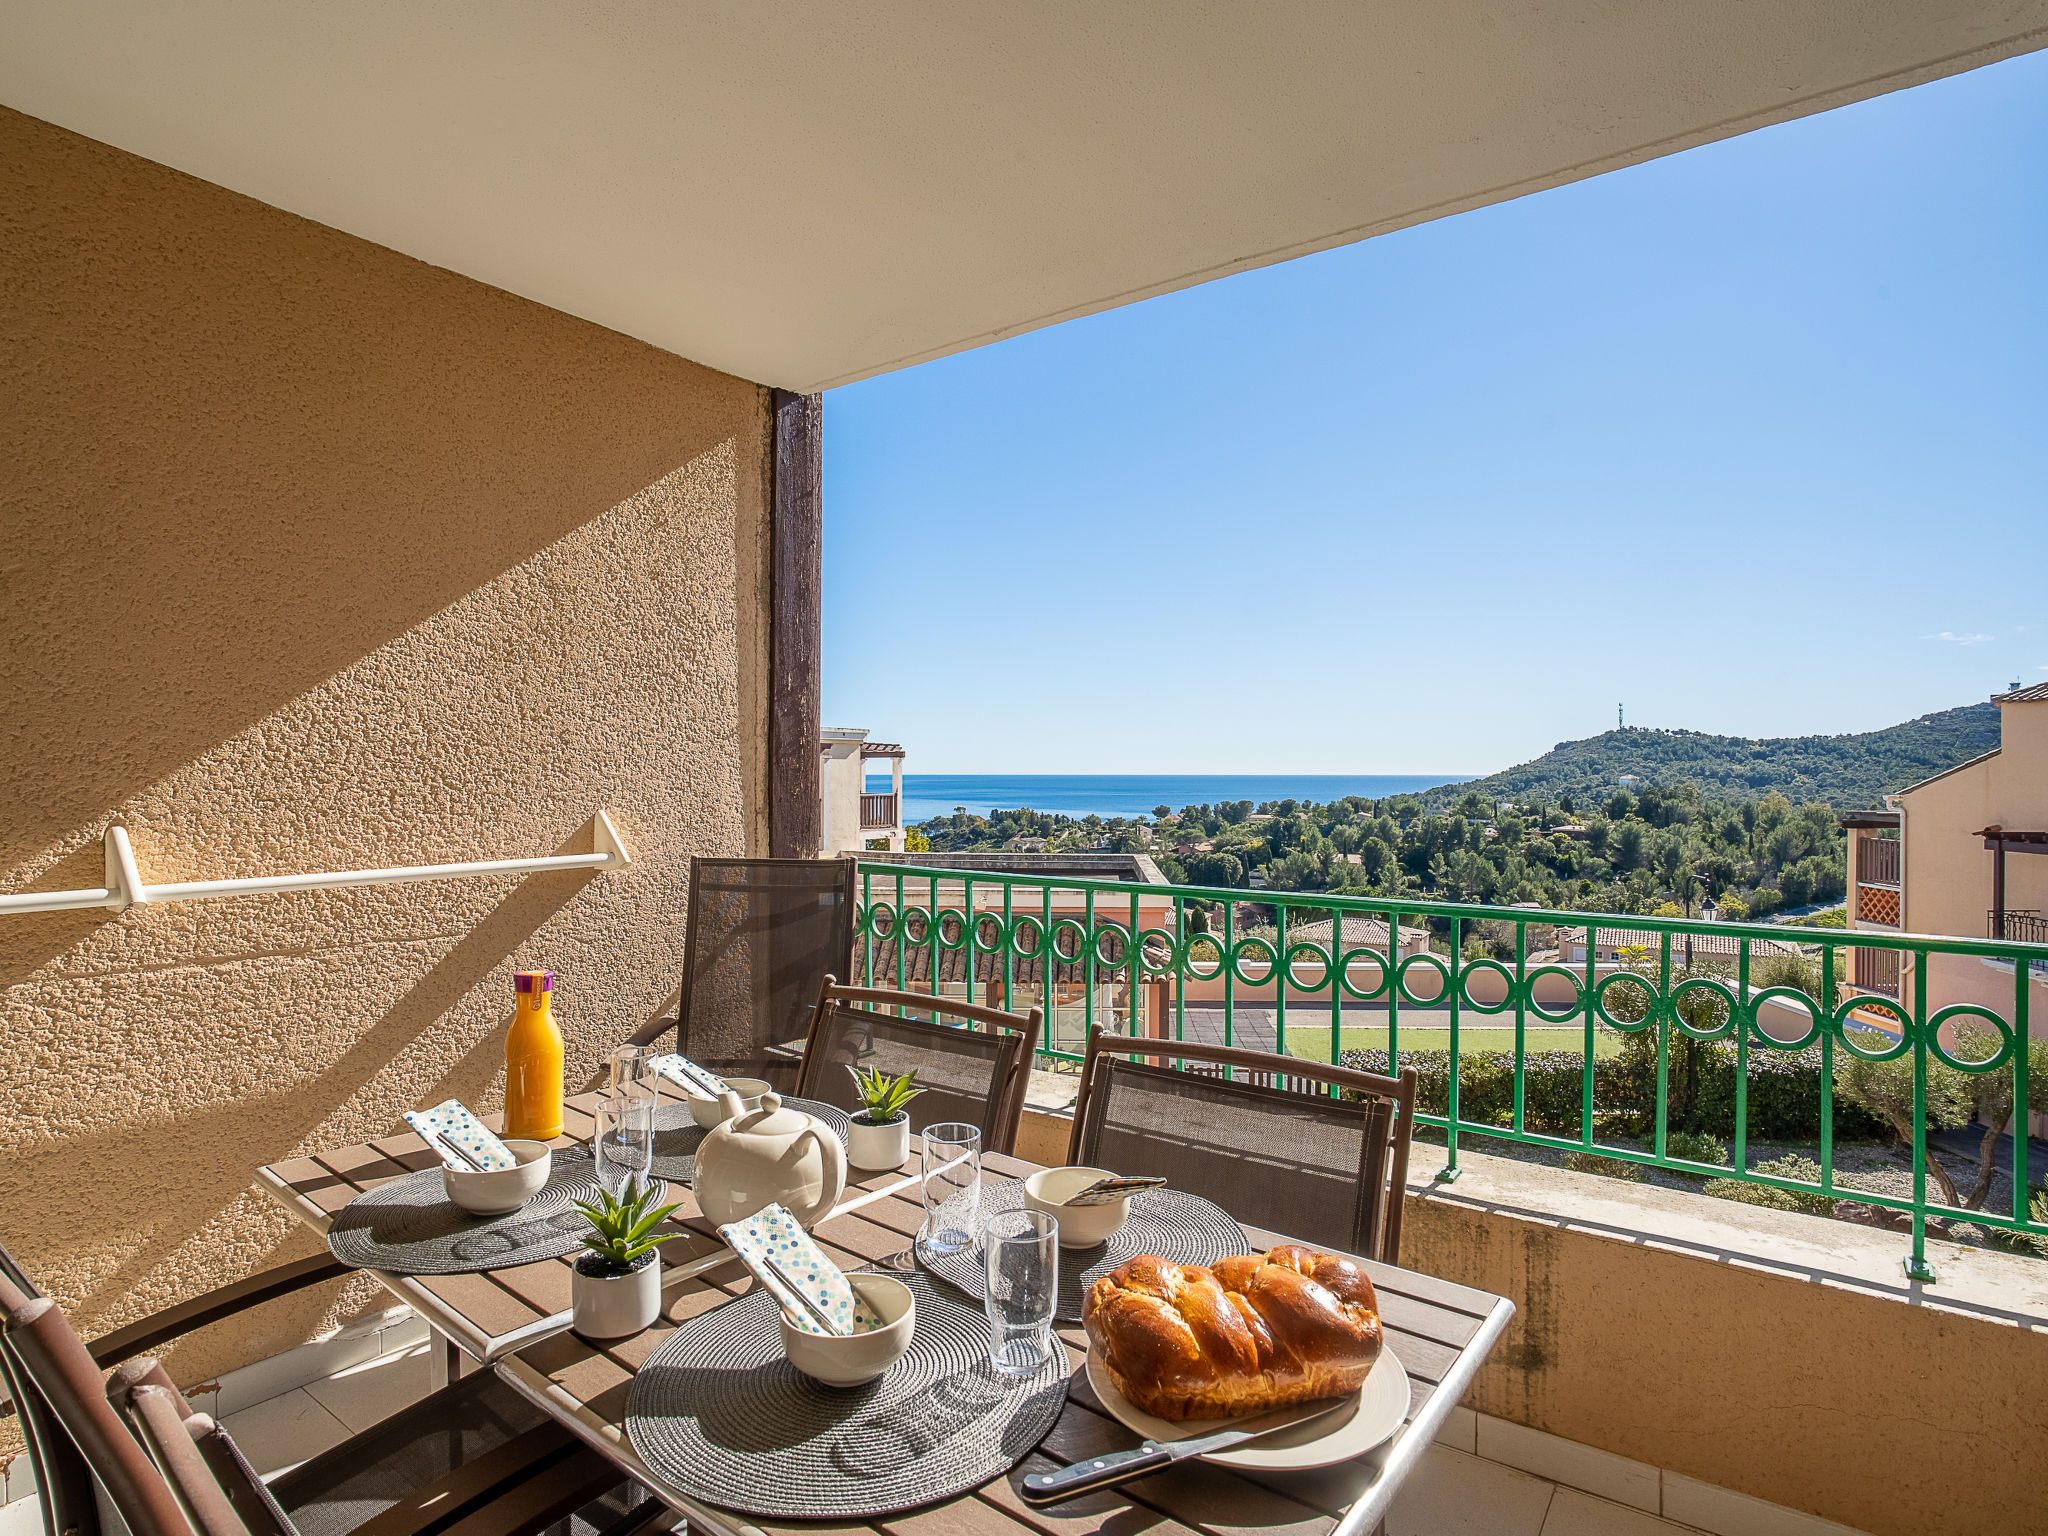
[(316, 555), (247, 450), (196, 1160)]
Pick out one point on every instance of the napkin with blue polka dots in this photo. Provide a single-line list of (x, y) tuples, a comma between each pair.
[(450, 1124), (774, 1234), (686, 1074)]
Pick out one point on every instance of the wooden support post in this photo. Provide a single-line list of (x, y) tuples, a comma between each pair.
[(796, 539)]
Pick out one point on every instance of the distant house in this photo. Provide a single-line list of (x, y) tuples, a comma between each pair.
[(850, 817), (1629, 780), (1609, 944), (1963, 853), (1022, 844), (1359, 933)]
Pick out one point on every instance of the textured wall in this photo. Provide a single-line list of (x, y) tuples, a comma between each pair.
[(316, 557)]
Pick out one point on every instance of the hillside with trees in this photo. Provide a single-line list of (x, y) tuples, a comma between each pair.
[(1752, 823), (1849, 773)]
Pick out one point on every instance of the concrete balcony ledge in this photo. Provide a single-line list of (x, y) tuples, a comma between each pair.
[(1713, 1355)]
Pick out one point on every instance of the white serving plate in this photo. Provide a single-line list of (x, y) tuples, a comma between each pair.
[(1380, 1408)]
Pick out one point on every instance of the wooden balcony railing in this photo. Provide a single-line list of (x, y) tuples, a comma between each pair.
[(877, 812), (1877, 860)]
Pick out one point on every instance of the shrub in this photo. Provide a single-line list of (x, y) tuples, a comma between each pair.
[(1612, 1168), (1606, 1167), (2023, 1242), (1784, 1089), (1694, 1147), (1791, 1166)]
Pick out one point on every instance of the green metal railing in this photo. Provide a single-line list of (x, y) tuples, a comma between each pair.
[(1119, 943)]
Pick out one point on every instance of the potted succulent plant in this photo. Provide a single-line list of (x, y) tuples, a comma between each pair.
[(879, 1137), (615, 1288)]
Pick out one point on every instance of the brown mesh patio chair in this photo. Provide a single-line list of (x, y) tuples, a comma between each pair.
[(473, 1457), (1315, 1152), (762, 934), (974, 1070)]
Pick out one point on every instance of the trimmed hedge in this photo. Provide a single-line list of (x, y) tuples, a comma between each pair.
[(1784, 1090)]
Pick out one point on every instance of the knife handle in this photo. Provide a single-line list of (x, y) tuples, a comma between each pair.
[(1096, 1472)]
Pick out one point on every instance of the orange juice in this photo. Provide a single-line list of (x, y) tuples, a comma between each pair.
[(533, 1061)]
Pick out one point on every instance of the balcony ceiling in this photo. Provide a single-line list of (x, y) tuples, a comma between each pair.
[(811, 192)]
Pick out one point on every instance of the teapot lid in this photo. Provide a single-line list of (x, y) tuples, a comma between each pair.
[(771, 1119)]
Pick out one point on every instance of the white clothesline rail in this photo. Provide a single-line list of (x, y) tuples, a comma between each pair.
[(125, 887)]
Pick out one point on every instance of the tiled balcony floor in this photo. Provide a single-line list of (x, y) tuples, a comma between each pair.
[(1456, 1492)]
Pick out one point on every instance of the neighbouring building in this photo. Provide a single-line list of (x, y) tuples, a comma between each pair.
[(852, 818), (1962, 853)]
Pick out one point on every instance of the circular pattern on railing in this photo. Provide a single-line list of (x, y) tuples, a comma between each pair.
[(1510, 989), (1571, 1009), (1203, 949), (1717, 992), (1160, 953), (1257, 946), (1379, 960), (916, 925), (1041, 940), (1305, 948), (1990, 1063), (1111, 943), (986, 934), (1603, 1008), (875, 927), (1845, 1014), (1428, 962), (1794, 999), (958, 938), (1068, 928)]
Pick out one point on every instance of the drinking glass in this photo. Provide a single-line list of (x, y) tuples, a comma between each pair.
[(951, 1185), (1022, 1252), (624, 1140)]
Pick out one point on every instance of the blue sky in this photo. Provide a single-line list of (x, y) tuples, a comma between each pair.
[(1754, 438)]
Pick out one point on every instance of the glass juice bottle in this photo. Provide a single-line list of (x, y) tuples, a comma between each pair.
[(533, 1061)]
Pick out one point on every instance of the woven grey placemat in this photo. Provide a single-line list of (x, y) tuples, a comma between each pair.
[(411, 1227), (1183, 1228), (677, 1137), (721, 1414)]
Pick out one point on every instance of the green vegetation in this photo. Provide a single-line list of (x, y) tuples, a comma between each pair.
[(883, 1098), (1311, 1041), (1753, 824), (1790, 1166), (1848, 773), (1606, 1167), (622, 1229), (1695, 1148)]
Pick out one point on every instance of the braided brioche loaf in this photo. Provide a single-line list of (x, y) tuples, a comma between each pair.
[(1253, 1332)]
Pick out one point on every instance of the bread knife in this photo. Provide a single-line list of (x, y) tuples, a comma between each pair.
[(1103, 1471)]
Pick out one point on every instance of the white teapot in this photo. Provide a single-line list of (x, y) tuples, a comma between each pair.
[(771, 1156)]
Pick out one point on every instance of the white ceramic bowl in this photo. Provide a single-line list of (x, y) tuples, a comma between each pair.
[(861, 1357), (1081, 1226), (710, 1112), (500, 1191)]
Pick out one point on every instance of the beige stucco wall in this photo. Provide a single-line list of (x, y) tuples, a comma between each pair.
[(316, 557), (1777, 1354)]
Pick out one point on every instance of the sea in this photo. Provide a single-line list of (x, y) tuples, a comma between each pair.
[(926, 795)]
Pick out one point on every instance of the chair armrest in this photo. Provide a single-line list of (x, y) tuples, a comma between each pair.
[(141, 1337)]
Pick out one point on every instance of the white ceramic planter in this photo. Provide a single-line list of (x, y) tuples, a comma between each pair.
[(878, 1148), (612, 1306)]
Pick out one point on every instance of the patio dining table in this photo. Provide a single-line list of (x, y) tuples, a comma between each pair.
[(516, 1320)]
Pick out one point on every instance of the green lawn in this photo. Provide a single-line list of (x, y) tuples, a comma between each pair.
[(1307, 1040)]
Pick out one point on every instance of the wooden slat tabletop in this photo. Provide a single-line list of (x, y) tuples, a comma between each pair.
[(1442, 1333), (489, 1315), (514, 1318)]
